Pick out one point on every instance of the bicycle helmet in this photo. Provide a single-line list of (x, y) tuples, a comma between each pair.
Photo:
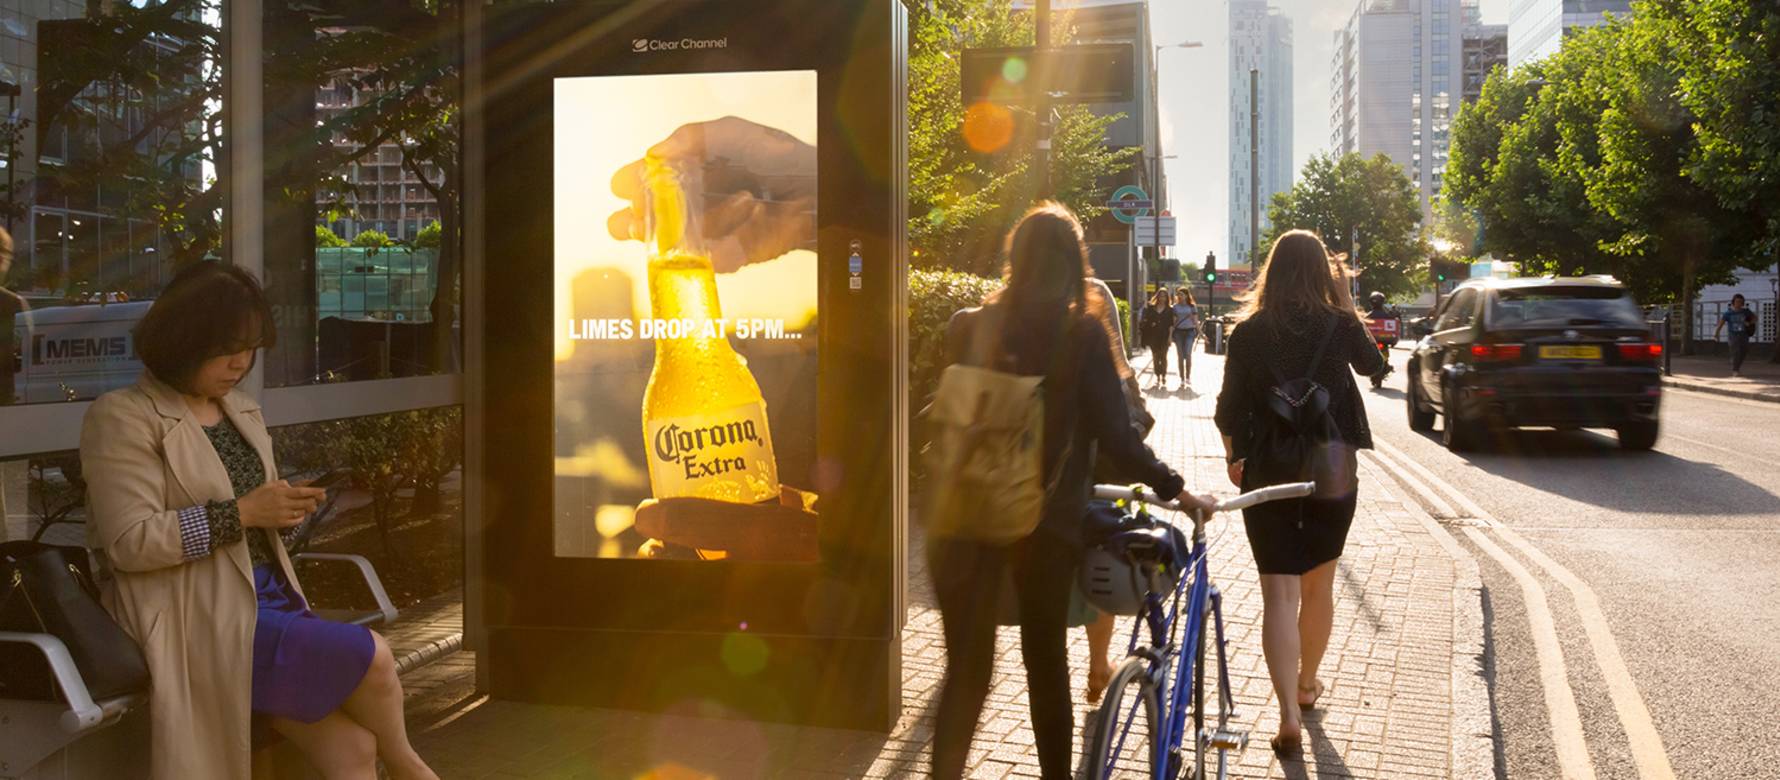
[(1134, 555)]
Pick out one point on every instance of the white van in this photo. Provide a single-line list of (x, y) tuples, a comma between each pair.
[(76, 352)]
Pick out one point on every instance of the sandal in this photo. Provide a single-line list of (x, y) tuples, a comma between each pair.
[(1316, 695)]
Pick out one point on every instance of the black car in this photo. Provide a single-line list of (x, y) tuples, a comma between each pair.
[(1550, 352)]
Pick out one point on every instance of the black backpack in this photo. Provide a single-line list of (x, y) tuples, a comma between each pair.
[(1295, 438)]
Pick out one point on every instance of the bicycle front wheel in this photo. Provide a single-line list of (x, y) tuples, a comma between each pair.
[(1125, 733)]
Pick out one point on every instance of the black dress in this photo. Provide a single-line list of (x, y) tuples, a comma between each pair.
[(1295, 536)]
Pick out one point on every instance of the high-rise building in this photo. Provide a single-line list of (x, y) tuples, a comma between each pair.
[(1536, 28), (1260, 40), (1486, 46), (385, 194), (1396, 83)]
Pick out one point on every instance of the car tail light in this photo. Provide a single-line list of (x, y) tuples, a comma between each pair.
[(1495, 353), (1640, 352)]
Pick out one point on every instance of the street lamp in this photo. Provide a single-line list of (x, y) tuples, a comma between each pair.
[(1156, 110), (1157, 197)]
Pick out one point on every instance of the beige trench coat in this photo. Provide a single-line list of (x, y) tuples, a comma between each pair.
[(145, 457)]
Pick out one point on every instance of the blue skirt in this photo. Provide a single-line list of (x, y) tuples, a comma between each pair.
[(304, 667)]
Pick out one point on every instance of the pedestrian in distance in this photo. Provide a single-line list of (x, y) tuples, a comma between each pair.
[(1157, 328), (1740, 321), (1290, 410), (1186, 329), (1041, 325), (185, 505)]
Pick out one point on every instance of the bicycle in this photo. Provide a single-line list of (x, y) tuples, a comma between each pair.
[(1142, 685)]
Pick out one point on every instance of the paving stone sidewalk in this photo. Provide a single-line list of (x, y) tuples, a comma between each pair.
[(1391, 671), (1711, 374)]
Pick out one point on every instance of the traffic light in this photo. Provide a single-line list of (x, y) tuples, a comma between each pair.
[(1211, 268)]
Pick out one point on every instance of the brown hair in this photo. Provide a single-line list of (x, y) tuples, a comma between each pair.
[(1047, 271), (1299, 274), (208, 310), (1185, 292)]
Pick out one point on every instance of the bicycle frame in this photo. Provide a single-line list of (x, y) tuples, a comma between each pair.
[(1160, 618)]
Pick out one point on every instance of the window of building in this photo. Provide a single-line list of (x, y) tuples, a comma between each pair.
[(86, 148)]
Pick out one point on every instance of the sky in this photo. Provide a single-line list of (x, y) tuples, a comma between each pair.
[(1196, 112)]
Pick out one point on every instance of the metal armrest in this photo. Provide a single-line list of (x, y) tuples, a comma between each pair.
[(83, 713), (384, 605)]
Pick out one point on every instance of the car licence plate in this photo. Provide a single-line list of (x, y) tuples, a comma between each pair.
[(1570, 353)]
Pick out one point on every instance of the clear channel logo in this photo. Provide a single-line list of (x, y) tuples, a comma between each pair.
[(644, 45)]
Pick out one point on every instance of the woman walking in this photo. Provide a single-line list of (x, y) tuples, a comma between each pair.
[(1043, 325), (1158, 331), (186, 507), (1298, 321), (1186, 328)]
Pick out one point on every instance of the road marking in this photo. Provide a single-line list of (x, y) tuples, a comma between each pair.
[(1554, 677), (1560, 699), (1720, 448), (1634, 716)]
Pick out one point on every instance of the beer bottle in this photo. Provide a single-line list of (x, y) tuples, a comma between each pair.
[(704, 419)]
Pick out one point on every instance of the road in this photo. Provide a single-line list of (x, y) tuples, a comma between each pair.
[(1680, 547)]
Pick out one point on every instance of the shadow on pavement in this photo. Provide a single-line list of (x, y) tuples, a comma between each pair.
[(1652, 481)]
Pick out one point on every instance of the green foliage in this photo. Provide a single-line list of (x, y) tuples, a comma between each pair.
[(428, 237), (1337, 197), (325, 238), (137, 84), (1646, 148), (385, 454), (934, 296), (961, 200), (372, 239), (1729, 79)]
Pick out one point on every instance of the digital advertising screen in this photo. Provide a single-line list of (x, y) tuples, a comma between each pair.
[(686, 321)]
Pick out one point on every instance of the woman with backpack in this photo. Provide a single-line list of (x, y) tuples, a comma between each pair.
[(1291, 411), (1040, 326)]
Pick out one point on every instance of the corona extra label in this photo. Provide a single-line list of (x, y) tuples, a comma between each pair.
[(704, 420)]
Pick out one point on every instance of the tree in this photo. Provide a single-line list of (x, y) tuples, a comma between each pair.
[(1502, 170), (962, 199), (327, 239), (1669, 234), (1337, 198), (372, 239), (136, 88), (428, 237), (1730, 82)]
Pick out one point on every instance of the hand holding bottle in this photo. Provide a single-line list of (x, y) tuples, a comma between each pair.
[(759, 190)]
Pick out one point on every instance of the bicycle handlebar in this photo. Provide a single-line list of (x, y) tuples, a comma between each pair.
[(1244, 501)]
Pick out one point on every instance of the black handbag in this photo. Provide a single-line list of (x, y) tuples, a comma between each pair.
[(48, 589)]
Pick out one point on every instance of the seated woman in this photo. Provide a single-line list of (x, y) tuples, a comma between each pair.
[(186, 507)]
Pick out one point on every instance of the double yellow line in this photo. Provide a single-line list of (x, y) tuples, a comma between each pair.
[(1574, 761)]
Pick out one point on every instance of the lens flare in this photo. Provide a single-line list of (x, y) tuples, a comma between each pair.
[(988, 127)]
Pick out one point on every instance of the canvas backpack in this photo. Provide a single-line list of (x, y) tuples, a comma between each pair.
[(1295, 437), (985, 449)]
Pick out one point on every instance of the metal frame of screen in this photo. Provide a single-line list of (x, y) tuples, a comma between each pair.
[(647, 634)]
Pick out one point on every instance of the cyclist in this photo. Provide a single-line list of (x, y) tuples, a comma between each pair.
[(1046, 327)]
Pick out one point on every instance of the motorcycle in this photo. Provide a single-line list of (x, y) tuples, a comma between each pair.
[(1385, 328)]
